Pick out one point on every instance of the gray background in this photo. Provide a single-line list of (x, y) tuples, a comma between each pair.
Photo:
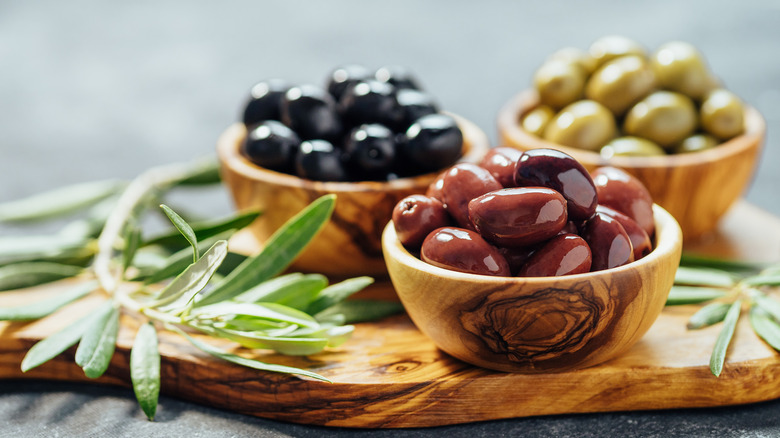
[(92, 89)]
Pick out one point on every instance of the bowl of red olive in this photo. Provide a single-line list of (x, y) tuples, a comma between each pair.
[(662, 116), (529, 263), (370, 137)]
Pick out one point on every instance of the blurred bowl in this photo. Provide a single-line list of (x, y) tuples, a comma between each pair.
[(696, 188), (350, 243), (537, 324)]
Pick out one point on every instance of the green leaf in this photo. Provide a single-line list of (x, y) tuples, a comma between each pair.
[(763, 280), (337, 293), (98, 343), (204, 230), (724, 338), (27, 274), (283, 345), (132, 241), (227, 310), (767, 304), (279, 251), (16, 249), (250, 363), (703, 277), (703, 261), (765, 326), (296, 292), (145, 369), (355, 311), (58, 202), (43, 308), (691, 295), (706, 316), (185, 230), (203, 172), (48, 348)]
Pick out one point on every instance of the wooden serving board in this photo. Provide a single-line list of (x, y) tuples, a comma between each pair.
[(389, 375)]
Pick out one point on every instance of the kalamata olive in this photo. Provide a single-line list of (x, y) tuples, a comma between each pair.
[(610, 47), (619, 190), (500, 162), (559, 83), (370, 101), (562, 173), (311, 113), (272, 145), (585, 124), (462, 183), (577, 57), (537, 119), (519, 216), (696, 143), (640, 241), (264, 101), (516, 257), (609, 244), (345, 76), (463, 250), (416, 216), (663, 117), (620, 83), (631, 147), (435, 188), (565, 254), (722, 114), (680, 67)]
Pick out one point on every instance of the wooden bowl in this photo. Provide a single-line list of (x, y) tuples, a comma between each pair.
[(350, 243), (696, 188), (541, 324)]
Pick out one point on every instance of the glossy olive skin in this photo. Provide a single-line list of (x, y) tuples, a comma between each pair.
[(398, 76), (537, 119), (620, 83), (415, 104), (559, 83), (640, 241), (722, 114), (435, 188), (663, 117), (272, 145), (318, 160), (462, 183), (619, 190), (519, 216), (565, 254), (516, 257), (696, 143), (370, 101), (610, 47), (500, 162), (432, 142), (416, 216), (345, 76), (561, 172), (609, 244), (463, 250), (371, 152), (264, 101), (680, 67), (311, 113), (629, 146), (585, 124), (576, 56)]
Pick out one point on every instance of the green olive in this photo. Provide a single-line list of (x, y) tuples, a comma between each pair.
[(559, 83), (620, 83), (722, 114), (584, 124), (610, 47), (680, 67), (631, 147), (575, 56), (536, 120), (664, 117), (696, 143)]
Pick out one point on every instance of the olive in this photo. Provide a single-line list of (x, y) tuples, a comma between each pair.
[(609, 244), (722, 114), (264, 101), (318, 160), (610, 47), (561, 172), (620, 83), (463, 250), (664, 117), (679, 67), (500, 162), (696, 143), (432, 142), (577, 57), (585, 124), (559, 83), (397, 76), (640, 241), (370, 101), (371, 151), (311, 113), (566, 254), (631, 147), (626, 194), (435, 188), (345, 76), (415, 104), (462, 183), (569, 228), (537, 119), (519, 216), (416, 216), (516, 257), (272, 145)]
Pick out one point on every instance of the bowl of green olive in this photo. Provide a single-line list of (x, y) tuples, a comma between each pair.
[(662, 116)]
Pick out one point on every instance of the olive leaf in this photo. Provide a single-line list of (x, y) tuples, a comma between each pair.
[(291, 346), (337, 293), (203, 172), (27, 274), (765, 326), (58, 202), (43, 308), (767, 304), (204, 230), (679, 295), (724, 338), (703, 261), (266, 311), (132, 242), (763, 280), (145, 369), (294, 290), (354, 311), (708, 315), (98, 343), (703, 277), (184, 230)]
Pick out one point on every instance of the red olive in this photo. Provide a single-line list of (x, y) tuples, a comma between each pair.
[(519, 216), (560, 172), (516, 257), (609, 244), (414, 217), (500, 162), (434, 188), (626, 194), (640, 241), (463, 250), (462, 183), (565, 254)]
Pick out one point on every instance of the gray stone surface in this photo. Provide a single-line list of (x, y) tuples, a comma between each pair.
[(97, 89)]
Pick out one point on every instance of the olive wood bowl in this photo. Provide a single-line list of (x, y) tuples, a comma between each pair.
[(350, 243), (537, 324), (696, 188)]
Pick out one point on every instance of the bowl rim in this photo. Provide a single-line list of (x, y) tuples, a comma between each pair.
[(510, 128), (229, 142), (668, 236)]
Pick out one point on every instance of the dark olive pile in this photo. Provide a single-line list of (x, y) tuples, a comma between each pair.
[(363, 126), (537, 213)]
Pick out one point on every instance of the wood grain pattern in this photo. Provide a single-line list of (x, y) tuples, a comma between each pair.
[(390, 375), (361, 213), (697, 188)]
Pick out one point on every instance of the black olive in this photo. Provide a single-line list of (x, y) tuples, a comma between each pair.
[(433, 142), (345, 76), (319, 160), (272, 145), (264, 101), (371, 102), (398, 76), (415, 104), (311, 113), (371, 151)]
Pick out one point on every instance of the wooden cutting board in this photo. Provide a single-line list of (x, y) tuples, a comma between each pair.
[(389, 375)]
